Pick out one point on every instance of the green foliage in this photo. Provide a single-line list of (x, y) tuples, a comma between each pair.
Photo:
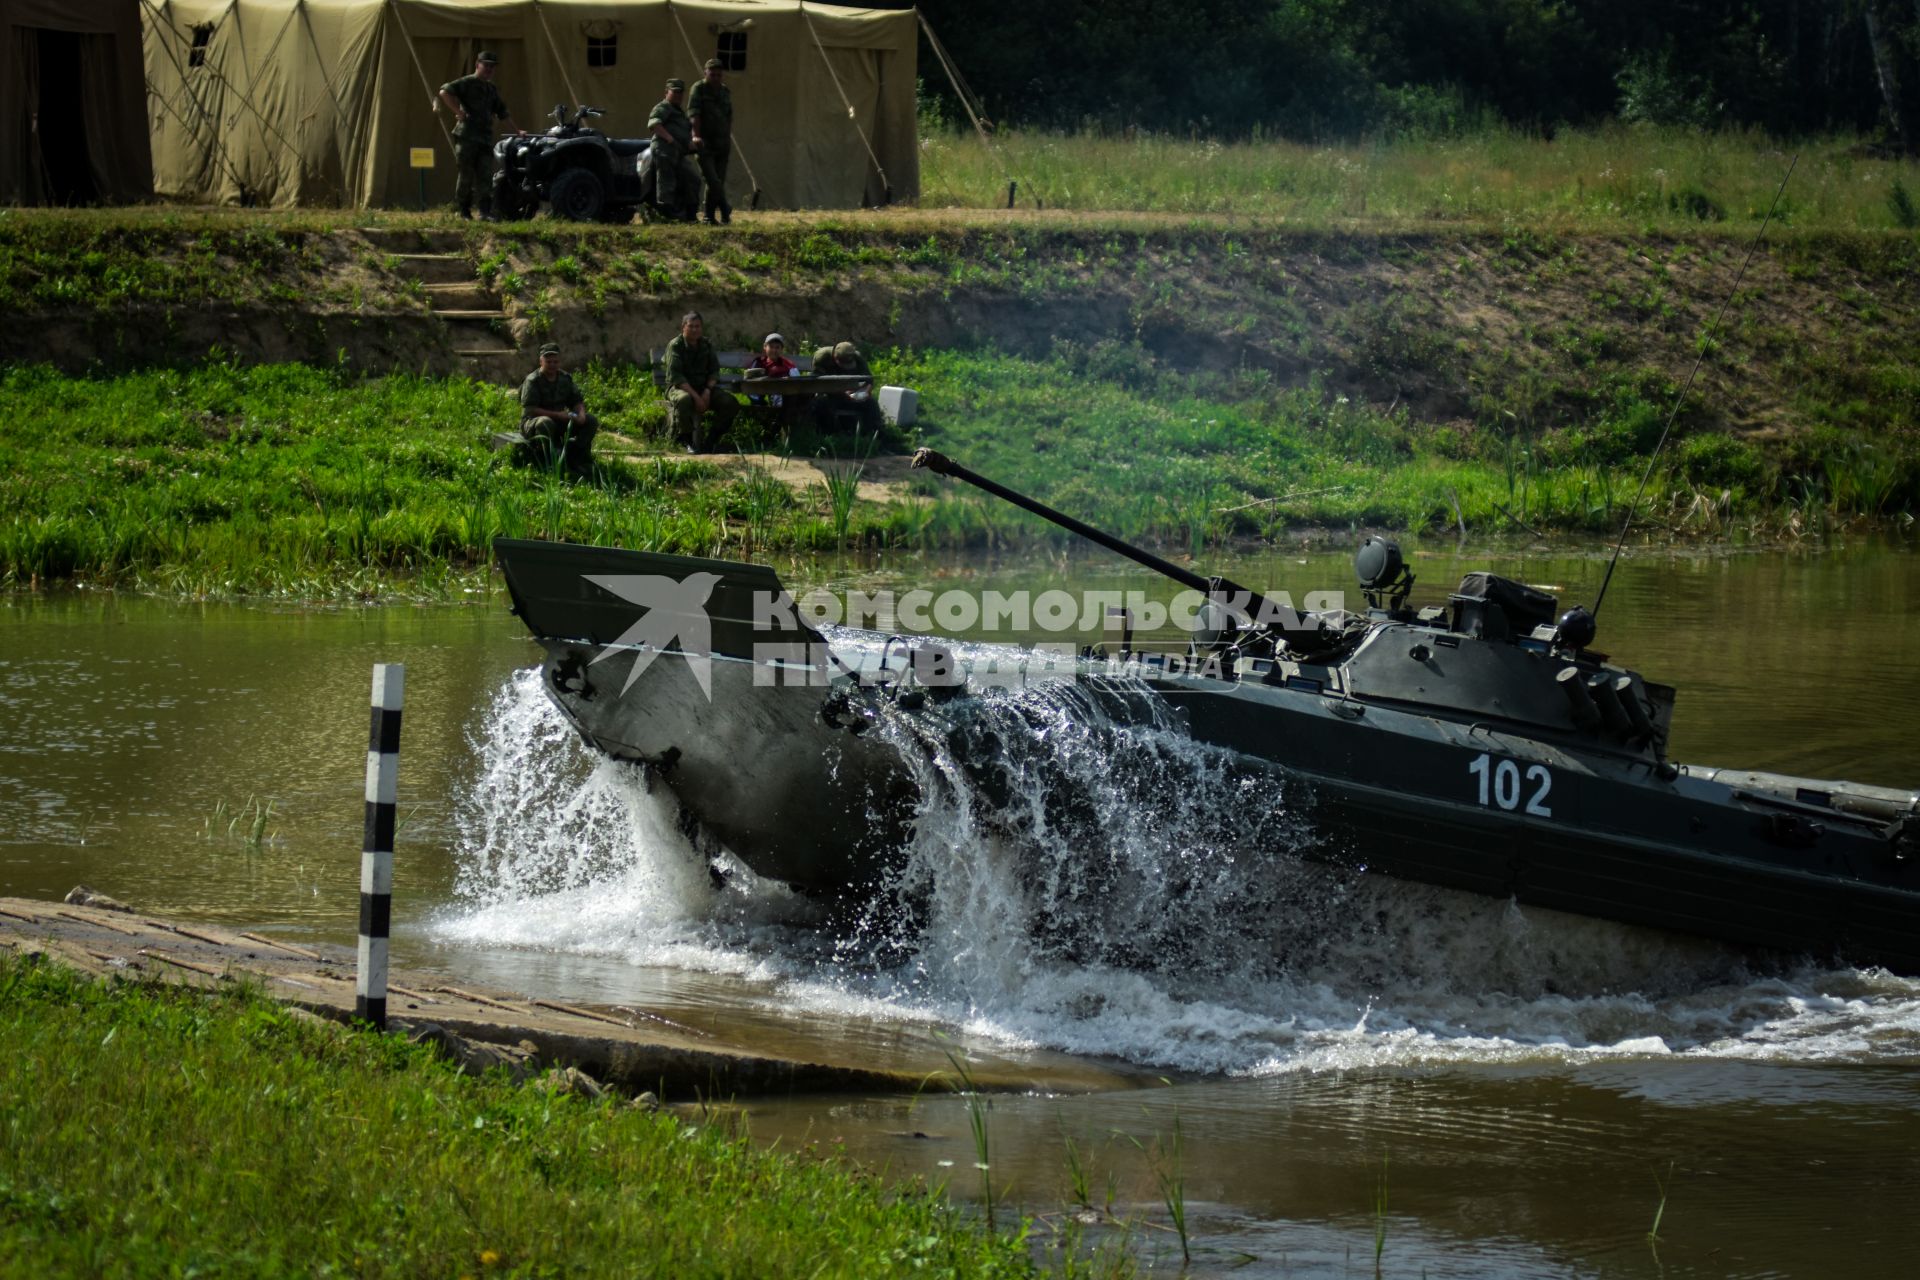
[(1431, 69), (1655, 90), (1900, 201), (241, 1139), (1723, 462), (1697, 205), (314, 483)]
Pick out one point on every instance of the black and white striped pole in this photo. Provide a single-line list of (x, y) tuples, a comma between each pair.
[(376, 857)]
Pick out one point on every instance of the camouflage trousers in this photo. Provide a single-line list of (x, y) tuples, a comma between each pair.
[(685, 420), (714, 159), (672, 166), (573, 439), (473, 175)]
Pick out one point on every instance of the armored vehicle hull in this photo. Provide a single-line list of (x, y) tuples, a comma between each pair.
[(1426, 747)]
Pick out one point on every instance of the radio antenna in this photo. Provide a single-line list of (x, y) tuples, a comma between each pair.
[(1706, 344)]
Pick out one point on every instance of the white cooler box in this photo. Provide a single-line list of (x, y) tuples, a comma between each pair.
[(900, 405)]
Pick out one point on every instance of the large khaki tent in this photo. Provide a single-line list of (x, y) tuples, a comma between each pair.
[(73, 118), (324, 102)]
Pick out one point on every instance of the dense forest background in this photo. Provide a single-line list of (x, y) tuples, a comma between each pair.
[(1320, 69)]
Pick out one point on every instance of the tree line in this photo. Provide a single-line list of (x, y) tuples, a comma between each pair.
[(1322, 69)]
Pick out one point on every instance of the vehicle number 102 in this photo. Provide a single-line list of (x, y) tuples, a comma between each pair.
[(1501, 784)]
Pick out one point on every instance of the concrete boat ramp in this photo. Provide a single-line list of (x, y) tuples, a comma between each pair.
[(680, 1058)]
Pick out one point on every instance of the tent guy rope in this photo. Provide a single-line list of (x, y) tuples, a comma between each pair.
[(853, 117)]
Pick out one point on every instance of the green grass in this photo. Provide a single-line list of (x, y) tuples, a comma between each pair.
[(1582, 179), (155, 1131), (101, 262), (285, 479), (224, 480), (1159, 460)]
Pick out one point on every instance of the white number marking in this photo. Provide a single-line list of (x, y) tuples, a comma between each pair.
[(1537, 805), (1500, 784), (1506, 784)]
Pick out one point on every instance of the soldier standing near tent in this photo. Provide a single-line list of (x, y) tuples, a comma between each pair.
[(711, 108), (476, 103), (672, 133)]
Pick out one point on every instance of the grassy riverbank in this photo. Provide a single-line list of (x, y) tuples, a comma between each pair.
[(1189, 344), (152, 1131), (286, 479)]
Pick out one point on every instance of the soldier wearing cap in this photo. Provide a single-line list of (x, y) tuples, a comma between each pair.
[(672, 133), (710, 107), (475, 103), (845, 361), (554, 417), (692, 372)]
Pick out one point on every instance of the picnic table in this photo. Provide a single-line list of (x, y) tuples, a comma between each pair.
[(794, 387)]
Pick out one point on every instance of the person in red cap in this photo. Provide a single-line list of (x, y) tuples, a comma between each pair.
[(772, 362)]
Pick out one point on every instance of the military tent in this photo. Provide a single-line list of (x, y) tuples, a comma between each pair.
[(325, 102), (73, 103)]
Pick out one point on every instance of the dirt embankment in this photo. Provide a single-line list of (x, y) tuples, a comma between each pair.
[(1467, 327)]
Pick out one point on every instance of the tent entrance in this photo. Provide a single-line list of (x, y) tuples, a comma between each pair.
[(59, 141)]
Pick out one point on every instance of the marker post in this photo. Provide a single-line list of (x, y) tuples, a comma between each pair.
[(376, 857)]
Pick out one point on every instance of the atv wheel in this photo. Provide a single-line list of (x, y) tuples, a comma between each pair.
[(579, 195)]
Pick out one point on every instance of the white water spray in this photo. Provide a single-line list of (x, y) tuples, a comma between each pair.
[(1104, 885)]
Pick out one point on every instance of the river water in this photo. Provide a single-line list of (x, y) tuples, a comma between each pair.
[(1523, 1089)]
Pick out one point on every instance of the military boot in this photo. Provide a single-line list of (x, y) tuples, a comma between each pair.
[(726, 214)]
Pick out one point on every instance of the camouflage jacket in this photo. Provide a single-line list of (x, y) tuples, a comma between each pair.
[(695, 365), (538, 393), (675, 121), (483, 104), (712, 106)]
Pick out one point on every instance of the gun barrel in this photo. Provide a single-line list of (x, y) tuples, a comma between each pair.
[(1214, 588), (940, 464)]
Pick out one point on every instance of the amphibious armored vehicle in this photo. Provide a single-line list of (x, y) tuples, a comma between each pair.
[(1479, 743)]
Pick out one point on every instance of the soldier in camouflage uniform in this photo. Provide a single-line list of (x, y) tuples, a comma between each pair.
[(711, 109), (554, 415), (672, 133), (476, 103), (845, 361), (692, 370)]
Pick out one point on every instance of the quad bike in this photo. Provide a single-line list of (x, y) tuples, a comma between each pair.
[(580, 174)]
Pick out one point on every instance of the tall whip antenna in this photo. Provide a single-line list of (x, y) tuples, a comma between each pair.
[(1706, 344)]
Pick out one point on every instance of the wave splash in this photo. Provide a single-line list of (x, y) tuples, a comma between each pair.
[(1100, 884)]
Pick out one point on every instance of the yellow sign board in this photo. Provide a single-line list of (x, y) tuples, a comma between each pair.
[(420, 157)]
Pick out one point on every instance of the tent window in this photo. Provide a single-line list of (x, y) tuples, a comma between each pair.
[(733, 50), (202, 37), (602, 51)]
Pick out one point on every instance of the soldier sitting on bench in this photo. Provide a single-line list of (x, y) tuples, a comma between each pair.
[(554, 417)]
